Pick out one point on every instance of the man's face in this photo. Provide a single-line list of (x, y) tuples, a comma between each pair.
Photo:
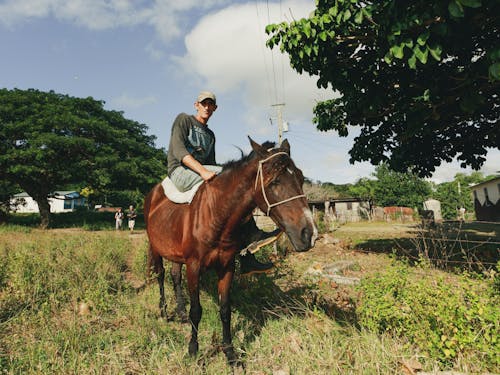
[(205, 108)]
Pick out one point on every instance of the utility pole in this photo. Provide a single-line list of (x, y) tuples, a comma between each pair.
[(279, 111)]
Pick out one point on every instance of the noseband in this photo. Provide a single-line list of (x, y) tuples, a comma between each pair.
[(261, 174)]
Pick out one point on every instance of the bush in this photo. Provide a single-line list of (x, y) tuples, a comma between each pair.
[(446, 319)]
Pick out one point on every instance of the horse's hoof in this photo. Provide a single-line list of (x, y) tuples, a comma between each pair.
[(193, 348), (232, 358), (183, 316)]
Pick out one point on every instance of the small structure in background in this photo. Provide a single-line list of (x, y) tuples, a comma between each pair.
[(487, 200), (341, 210), (398, 213), (59, 201), (434, 206)]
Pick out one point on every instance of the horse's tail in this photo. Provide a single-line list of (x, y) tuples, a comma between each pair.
[(149, 204)]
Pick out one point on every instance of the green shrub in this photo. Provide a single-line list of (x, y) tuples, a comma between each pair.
[(446, 319)]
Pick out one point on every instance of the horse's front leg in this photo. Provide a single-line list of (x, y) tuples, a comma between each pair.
[(193, 280), (224, 287), (156, 265), (176, 275)]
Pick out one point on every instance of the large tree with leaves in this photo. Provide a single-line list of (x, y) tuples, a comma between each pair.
[(392, 188), (457, 193), (420, 78), (50, 140)]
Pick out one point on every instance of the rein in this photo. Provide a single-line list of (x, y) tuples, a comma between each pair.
[(261, 174)]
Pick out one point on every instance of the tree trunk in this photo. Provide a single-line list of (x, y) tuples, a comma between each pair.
[(44, 207)]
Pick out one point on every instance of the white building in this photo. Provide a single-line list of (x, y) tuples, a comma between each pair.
[(60, 201), (487, 200)]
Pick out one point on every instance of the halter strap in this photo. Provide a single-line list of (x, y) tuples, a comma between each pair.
[(261, 174)]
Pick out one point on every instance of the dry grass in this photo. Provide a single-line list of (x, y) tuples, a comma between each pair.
[(281, 323)]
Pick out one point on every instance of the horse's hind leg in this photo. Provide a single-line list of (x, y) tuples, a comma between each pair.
[(176, 274), (195, 310), (155, 264)]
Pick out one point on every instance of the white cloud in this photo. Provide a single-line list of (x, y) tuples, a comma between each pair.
[(227, 51), (167, 17)]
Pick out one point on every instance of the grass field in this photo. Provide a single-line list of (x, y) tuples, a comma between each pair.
[(74, 301)]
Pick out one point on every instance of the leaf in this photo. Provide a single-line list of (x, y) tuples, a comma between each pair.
[(323, 36), (470, 3), (326, 18), (387, 58), (397, 51), (307, 29), (307, 50), (435, 52), (412, 62), (347, 14), (358, 18), (421, 55), (456, 10), (333, 11), (422, 38), (426, 95), (494, 71)]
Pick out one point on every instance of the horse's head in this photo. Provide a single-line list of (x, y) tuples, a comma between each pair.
[(278, 192)]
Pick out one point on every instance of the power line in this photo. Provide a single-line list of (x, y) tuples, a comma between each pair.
[(272, 56), (262, 45)]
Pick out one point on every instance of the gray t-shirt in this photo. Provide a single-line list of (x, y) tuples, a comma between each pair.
[(189, 136)]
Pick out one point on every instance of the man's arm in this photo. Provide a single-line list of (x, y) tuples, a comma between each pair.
[(193, 164)]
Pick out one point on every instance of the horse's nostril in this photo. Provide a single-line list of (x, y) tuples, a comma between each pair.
[(305, 235)]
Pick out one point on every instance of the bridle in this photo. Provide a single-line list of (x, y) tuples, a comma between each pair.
[(261, 174)]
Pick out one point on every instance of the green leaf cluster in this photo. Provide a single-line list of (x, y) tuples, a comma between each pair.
[(444, 320), (420, 79)]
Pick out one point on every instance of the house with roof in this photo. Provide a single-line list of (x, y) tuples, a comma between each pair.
[(59, 201), (487, 200)]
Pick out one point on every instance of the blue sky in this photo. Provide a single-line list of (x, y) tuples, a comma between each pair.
[(150, 58)]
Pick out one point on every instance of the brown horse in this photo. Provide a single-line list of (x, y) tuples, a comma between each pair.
[(207, 232)]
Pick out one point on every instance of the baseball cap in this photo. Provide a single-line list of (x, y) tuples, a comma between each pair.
[(206, 95)]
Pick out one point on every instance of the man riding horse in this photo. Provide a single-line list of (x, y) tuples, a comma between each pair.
[(191, 159)]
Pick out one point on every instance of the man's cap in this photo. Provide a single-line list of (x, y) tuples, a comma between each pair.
[(206, 95)]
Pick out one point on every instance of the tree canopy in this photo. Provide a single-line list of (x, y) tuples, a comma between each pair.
[(457, 193), (50, 140), (392, 188), (420, 79)]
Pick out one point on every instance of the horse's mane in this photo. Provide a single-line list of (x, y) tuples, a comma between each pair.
[(233, 164)]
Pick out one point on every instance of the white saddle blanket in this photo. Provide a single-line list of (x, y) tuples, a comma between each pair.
[(176, 196)]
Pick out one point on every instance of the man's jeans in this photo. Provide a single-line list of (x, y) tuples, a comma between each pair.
[(184, 178)]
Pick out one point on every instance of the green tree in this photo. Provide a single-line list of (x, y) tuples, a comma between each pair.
[(457, 193), (364, 188), (420, 78), (398, 189), (50, 140)]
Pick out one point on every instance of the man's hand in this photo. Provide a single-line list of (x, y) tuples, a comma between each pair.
[(207, 175), (193, 164)]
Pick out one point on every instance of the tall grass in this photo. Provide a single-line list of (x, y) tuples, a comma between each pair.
[(69, 304)]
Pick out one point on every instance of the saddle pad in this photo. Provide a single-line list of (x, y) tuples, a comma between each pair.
[(176, 196)]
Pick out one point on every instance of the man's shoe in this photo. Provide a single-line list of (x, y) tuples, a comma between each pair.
[(250, 264), (260, 239)]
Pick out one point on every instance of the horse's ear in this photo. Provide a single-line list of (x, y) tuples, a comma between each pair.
[(286, 146), (258, 149)]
